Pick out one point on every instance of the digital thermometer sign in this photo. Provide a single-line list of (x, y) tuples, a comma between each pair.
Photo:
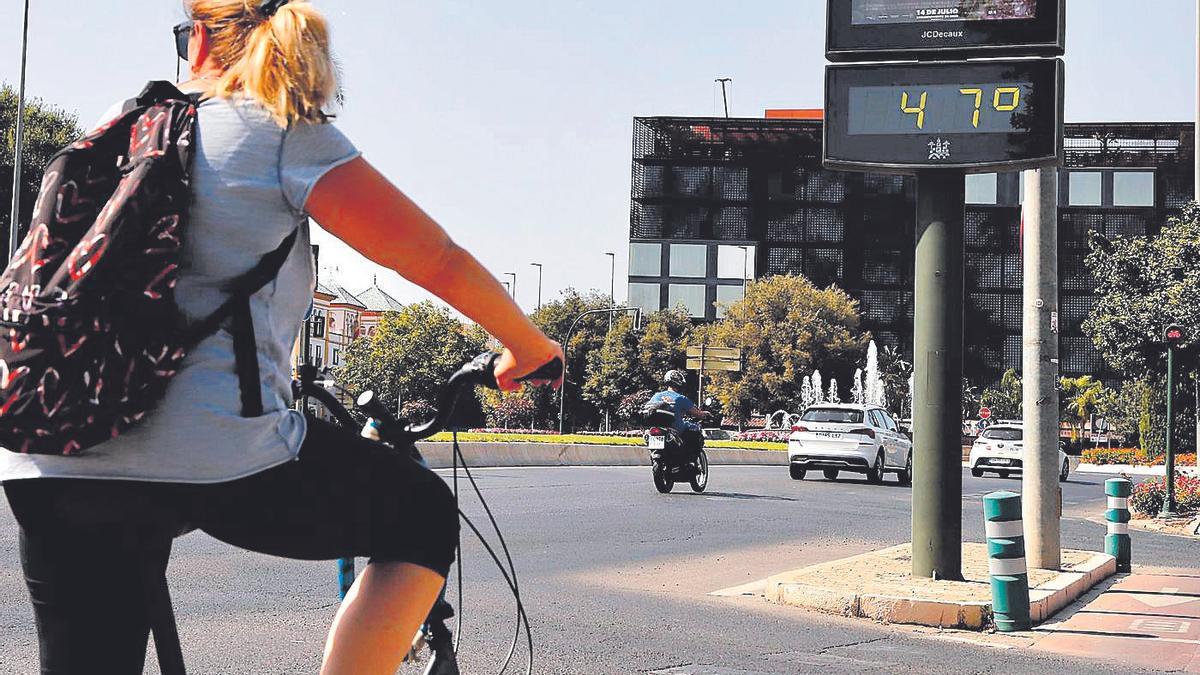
[(861, 30), (977, 116)]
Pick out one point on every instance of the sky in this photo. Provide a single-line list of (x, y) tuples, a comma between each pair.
[(511, 122)]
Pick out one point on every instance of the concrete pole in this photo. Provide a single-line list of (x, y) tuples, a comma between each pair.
[(1196, 197), (938, 357), (1042, 503)]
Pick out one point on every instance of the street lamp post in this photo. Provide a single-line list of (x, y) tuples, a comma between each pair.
[(514, 284), (14, 231), (725, 94), (612, 286), (539, 266), (562, 392), (745, 268)]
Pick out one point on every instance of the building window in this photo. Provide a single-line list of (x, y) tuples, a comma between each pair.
[(1086, 188), (1133, 188), (645, 260), (734, 262), (981, 189), (727, 295), (318, 324), (645, 297), (337, 356), (317, 355), (690, 297), (689, 260)]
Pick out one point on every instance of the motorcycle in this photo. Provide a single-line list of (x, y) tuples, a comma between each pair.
[(673, 457)]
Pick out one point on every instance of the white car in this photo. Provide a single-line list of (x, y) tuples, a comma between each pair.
[(855, 438), (1000, 449)]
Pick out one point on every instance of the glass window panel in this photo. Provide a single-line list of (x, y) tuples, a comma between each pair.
[(727, 295), (733, 262), (1086, 188), (981, 188), (1133, 188), (690, 297), (645, 260), (689, 260), (645, 297)]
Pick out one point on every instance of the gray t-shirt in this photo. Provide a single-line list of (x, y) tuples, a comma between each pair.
[(251, 180)]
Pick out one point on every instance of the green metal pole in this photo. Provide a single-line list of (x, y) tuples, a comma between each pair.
[(1168, 509), (937, 362)]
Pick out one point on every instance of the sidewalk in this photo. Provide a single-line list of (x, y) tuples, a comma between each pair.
[(1143, 620)]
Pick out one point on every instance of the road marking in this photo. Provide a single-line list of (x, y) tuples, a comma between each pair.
[(1161, 625), (1160, 601)]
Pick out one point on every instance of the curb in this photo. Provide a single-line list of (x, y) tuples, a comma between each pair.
[(1045, 600), (1126, 469), (492, 455)]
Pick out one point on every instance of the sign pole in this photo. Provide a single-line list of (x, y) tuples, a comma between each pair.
[(937, 361), (700, 388), (1042, 502)]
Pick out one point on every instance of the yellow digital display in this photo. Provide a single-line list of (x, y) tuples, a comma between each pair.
[(939, 109)]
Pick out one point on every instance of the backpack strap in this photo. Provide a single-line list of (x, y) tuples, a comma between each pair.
[(237, 309)]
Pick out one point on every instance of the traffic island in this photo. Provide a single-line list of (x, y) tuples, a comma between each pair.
[(880, 586)]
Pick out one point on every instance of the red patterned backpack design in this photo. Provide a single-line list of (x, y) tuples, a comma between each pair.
[(90, 333)]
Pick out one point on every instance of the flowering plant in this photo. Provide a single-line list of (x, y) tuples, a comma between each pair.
[(1148, 497)]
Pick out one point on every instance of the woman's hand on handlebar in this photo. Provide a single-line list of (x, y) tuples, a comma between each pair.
[(512, 370)]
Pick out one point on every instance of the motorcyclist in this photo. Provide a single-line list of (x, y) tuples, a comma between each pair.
[(684, 408)]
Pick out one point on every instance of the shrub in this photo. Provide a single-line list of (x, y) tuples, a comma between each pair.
[(1133, 456), (1148, 497), (775, 436)]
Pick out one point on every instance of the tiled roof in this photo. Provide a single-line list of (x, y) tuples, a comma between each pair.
[(377, 300), (344, 297), (322, 288)]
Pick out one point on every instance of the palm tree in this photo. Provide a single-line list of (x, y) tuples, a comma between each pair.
[(1078, 398)]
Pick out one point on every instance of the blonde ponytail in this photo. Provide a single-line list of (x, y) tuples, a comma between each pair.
[(282, 61)]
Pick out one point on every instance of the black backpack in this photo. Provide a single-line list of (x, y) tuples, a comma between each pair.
[(90, 334)]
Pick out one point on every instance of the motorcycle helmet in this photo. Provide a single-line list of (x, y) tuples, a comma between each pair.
[(675, 378)]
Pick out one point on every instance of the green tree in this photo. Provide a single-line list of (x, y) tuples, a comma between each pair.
[(896, 374), (786, 328), (1144, 284), (508, 410), (555, 319), (1005, 400), (47, 130), (410, 354), (631, 361), (1079, 398)]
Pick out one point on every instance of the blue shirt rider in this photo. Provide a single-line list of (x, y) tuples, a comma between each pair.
[(684, 407)]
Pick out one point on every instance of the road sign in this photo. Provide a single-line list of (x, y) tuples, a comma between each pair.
[(974, 116), (701, 351), (985, 413), (715, 365), (881, 30)]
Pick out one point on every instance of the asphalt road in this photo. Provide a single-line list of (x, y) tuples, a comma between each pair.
[(616, 580)]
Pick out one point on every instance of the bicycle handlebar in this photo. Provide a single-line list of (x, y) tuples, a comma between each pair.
[(481, 371)]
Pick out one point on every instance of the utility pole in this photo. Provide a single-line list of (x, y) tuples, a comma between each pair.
[(14, 232), (1041, 503), (724, 93), (937, 362), (539, 297)]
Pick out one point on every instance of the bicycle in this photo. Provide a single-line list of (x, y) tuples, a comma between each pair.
[(435, 634)]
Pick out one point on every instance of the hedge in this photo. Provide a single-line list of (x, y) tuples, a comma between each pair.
[(1132, 456)]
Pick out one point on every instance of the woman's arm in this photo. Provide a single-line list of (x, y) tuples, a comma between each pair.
[(358, 205)]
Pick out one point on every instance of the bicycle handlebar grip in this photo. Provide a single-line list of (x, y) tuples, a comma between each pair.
[(550, 371)]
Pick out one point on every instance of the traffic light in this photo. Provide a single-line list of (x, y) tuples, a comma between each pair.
[(1174, 335)]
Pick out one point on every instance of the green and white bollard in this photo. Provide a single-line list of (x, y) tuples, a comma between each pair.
[(1006, 561), (1116, 543)]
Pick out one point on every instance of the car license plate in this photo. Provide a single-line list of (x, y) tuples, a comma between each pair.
[(827, 434), (1002, 462), (658, 442)]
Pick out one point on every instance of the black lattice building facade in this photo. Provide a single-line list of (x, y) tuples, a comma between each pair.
[(719, 201)]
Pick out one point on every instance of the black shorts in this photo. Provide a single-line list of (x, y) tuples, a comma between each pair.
[(88, 546)]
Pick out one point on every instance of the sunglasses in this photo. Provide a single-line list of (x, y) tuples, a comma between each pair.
[(183, 36)]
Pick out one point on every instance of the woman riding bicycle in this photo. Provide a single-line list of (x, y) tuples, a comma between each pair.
[(266, 159)]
